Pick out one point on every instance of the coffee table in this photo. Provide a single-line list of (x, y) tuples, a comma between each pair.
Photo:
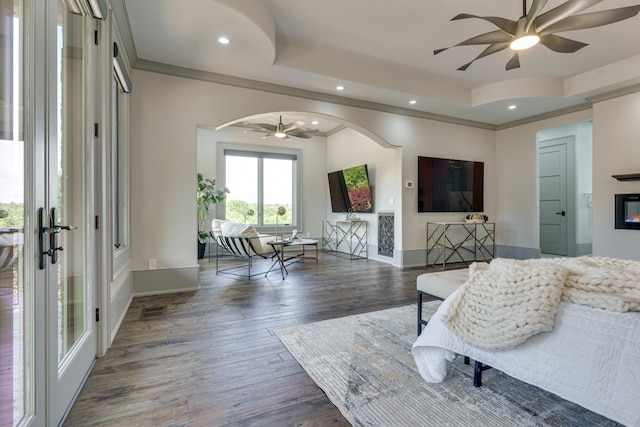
[(301, 244), (279, 251)]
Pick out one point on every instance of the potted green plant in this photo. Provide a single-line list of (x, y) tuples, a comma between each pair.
[(207, 197)]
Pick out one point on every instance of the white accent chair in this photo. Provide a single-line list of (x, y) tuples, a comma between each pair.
[(240, 241)]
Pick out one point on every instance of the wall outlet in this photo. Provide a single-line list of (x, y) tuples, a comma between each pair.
[(391, 201), (152, 264)]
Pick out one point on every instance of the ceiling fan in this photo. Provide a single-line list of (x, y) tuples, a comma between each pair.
[(537, 27), (282, 131)]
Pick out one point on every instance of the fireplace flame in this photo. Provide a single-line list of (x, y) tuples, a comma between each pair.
[(634, 218)]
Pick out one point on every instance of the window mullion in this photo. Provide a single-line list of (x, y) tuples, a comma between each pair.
[(261, 191)]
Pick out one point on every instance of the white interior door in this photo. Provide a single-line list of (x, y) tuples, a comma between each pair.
[(552, 166)]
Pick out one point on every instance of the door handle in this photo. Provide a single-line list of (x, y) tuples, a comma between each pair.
[(53, 230), (43, 231), (54, 236), (563, 213)]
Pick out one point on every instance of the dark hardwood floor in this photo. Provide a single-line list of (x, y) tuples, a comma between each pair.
[(214, 359)]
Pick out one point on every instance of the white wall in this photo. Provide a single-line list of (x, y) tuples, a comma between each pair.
[(166, 112), (584, 183), (616, 150), (517, 229), (447, 141), (349, 148), (582, 234)]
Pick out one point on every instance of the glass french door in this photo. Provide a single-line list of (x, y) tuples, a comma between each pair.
[(63, 220), (47, 338), (17, 290)]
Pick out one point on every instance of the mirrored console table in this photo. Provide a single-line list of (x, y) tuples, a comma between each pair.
[(460, 242), (345, 237)]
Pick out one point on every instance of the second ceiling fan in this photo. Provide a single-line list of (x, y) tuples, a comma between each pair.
[(284, 131), (536, 27)]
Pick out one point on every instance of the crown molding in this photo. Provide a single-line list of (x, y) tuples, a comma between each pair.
[(547, 115), (172, 70), (614, 94), (336, 130)]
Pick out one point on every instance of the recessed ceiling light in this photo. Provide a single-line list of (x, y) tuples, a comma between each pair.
[(223, 40), (315, 122), (512, 107), (413, 101), (340, 87)]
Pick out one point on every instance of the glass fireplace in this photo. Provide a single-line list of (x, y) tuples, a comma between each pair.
[(628, 211)]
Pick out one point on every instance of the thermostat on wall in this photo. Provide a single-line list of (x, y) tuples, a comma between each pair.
[(408, 184)]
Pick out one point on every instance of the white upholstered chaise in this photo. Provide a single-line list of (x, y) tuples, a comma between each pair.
[(438, 285)]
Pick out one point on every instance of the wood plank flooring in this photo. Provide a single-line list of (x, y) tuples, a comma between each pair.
[(214, 359)]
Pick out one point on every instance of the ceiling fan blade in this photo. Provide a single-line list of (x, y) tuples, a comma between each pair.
[(261, 127), (299, 135), (534, 11), (496, 47), (294, 125), (561, 44), (592, 20), (308, 130), (514, 62), (493, 37), (504, 24), (563, 11)]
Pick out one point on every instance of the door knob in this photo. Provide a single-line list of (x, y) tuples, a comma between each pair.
[(563, 213)]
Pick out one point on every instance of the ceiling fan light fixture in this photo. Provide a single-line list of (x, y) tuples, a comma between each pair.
[(280, 133), (524, 42)]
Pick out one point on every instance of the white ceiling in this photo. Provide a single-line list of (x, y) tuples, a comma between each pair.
[(381, 51)]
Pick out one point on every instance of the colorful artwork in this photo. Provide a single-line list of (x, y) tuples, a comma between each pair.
[(356, 180)]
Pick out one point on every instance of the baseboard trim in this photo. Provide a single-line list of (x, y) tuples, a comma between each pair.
[(584, 249), (169, 281), (516, 252), (116, 325), (418, 257), (120, 300)]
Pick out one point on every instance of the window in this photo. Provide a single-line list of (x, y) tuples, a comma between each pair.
[(259, 184), (119, 167)]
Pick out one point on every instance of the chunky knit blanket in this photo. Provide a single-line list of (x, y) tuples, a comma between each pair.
[(507, 301)]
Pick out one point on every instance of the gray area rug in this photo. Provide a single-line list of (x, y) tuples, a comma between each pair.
[(364, 365)]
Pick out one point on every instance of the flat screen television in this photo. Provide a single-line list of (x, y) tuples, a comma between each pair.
[(446, 185), (350, 190)]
